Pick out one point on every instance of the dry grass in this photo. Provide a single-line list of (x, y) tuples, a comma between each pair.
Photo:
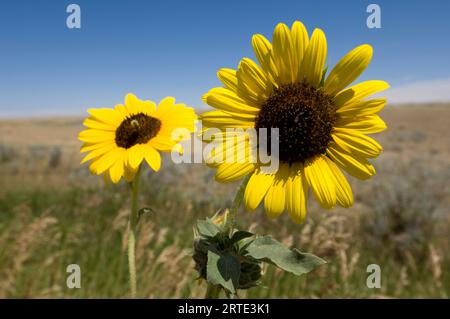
[(53, 213)]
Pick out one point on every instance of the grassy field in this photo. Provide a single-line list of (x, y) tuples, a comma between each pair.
[(53, 213)]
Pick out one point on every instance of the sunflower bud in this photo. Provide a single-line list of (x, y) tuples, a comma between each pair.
[(221, 217), (212, 235)]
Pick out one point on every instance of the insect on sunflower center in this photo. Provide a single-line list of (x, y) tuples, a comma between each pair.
[(305, 118), (137, 129)]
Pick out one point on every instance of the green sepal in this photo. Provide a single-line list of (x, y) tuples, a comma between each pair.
[(206, 228), (223, 269), (240, 235), (210, 227)]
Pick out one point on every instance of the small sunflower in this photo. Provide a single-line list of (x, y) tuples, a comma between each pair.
[(323, 125), (118, 140)]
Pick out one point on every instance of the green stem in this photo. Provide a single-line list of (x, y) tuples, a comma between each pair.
[(212, 292), (132, 232), (238, 200)]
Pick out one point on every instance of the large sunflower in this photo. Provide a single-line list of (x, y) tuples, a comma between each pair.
[(322, 124), (118, 140)]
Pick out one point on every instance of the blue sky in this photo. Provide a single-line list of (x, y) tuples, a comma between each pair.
[(155, 49)]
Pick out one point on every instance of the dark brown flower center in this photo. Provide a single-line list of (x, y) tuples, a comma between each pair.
[(137, 129), (305, 117)]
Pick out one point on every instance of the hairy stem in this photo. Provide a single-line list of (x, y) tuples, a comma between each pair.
[(132, 232), (238, 200), (212, 292)]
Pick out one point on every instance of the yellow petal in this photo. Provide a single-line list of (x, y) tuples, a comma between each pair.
[(296, 194), (122, 110), (320, 178), (348, 69), (229, 172), (263, 52), (366, 124), (344, 192), (163, 143), (362, 108), (178, 132), (226, 100), (253, 85), (98, 152), (356, 143), (164, 106), (356, 166), (178, 117), (275, 199), (300, 41), (359, 91), (116, 171), (96, 136), (221, 119), (94, 132), (103, 163), (135, 155), (235, 147), (93, 146), (153, 158), (92, 123), (314, 60), (147, 107), (283, 54), (232, 149), (106, 115), (132, 103), (228, 78), (256, 189)]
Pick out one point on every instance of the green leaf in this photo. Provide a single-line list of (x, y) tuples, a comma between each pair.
[(224, 270), (294, 261), (207, 228), (239, 235)]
